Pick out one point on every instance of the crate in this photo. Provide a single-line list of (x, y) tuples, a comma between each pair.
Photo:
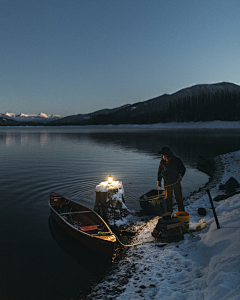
[(169, 229)]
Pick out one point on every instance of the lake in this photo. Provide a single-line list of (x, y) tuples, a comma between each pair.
[(38, 260)]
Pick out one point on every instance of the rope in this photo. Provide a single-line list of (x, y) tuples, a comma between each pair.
[(106, 233), (198, 228), (187, 230), (171, 184)]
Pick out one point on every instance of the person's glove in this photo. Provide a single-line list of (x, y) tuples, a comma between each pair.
[(159, 184), (179, 179)]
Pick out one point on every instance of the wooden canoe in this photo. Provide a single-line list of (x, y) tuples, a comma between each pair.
[(83, 224)]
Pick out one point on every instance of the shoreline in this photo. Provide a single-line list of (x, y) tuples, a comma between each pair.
[(217, 124), (136, 277)]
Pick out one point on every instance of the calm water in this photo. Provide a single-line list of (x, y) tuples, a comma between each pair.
[(38, 260)]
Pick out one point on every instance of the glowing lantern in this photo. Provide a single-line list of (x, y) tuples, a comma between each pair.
[(110, 179)]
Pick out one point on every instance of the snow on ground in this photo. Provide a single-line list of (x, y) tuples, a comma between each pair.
[(200, 125), (204, 267), (174, 125)]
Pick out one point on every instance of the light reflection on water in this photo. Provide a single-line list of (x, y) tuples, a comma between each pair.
[(72, 161)]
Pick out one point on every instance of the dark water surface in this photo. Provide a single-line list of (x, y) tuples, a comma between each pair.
[(38, 260)]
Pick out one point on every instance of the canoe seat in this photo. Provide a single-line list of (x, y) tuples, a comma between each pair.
[(57, 202), (88, 228)]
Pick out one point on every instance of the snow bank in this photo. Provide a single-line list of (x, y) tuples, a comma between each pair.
[(204, 267), (174, 125), (105, 186), (200, 125)]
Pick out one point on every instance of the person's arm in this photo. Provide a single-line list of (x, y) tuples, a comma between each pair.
[(159, 175), (182, 168)]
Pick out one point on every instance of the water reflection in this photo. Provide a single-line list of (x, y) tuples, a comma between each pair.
[(87, 259), (187, 144), (72, 161), (43, 139)]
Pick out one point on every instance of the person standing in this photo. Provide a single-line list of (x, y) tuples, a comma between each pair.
[(171, 170)]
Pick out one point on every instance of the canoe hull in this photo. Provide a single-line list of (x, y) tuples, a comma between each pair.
[(153, 203), (103, 245)]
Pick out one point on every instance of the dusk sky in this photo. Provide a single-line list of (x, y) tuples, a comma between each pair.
[(69, 57)]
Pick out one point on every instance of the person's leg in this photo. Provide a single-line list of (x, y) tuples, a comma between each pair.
[(169, 193), (178, 195)]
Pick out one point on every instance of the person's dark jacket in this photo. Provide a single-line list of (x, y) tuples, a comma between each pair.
[(171, 170)]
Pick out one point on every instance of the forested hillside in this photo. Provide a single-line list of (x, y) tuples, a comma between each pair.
[(222, 105)]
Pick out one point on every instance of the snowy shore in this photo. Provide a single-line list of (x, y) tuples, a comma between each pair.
[(174, 125), (206, 266), (164, 126)]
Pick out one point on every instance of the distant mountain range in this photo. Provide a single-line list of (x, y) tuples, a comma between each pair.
[(202, 102), (40, 118), (196, 103), (33, 116)]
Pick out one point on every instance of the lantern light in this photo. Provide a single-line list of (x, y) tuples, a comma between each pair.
[(110, 179)]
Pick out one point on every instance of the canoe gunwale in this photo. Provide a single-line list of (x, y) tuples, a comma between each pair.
[(100, 244), (69, 224)]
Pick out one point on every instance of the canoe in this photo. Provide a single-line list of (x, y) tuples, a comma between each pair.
[(153, 202), (83, 224)]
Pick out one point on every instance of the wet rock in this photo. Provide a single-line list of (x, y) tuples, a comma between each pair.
[(142, 287)]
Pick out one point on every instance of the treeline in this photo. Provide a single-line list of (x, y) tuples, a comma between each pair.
[(223, 106)]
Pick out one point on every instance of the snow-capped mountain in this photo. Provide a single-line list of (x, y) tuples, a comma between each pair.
[(11, 115), (201, 102), (22, 115), (41, 117)]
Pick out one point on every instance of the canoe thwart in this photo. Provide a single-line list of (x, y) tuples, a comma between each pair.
[(75, 212)]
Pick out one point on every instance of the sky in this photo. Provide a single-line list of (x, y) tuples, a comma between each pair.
[(69, 57)]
